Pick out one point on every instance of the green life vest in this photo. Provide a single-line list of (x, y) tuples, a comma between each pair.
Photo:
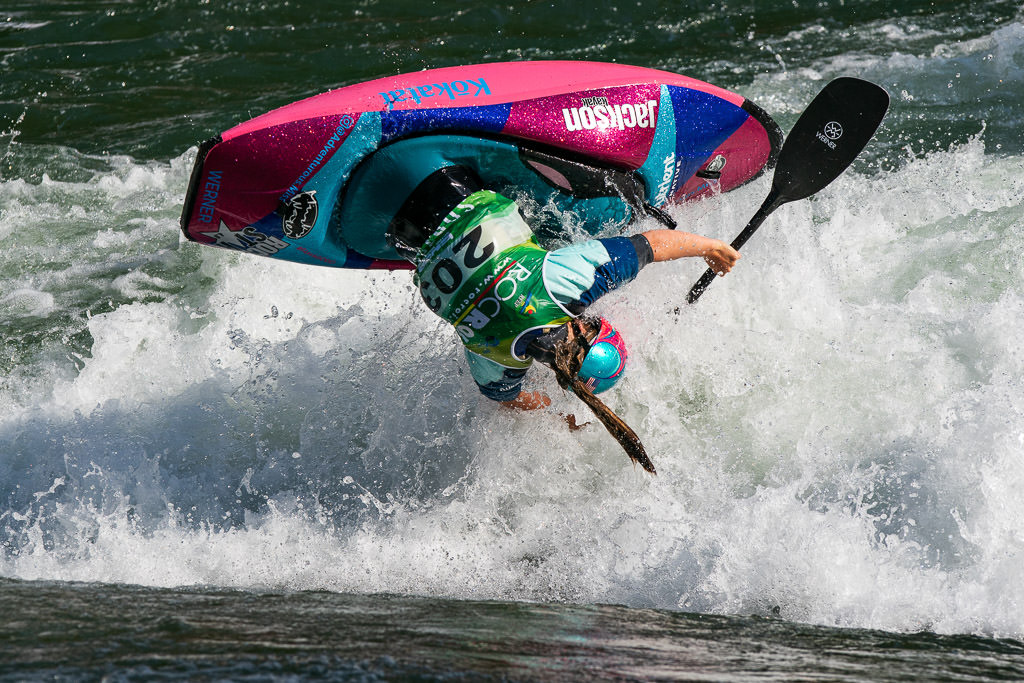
[(482, 271)]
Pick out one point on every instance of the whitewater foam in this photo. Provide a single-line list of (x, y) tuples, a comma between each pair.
[(838, 425)]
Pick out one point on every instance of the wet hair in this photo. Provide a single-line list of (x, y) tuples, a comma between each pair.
[(563, 350)]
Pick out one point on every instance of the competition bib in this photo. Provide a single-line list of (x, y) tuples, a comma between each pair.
[(482, 271)]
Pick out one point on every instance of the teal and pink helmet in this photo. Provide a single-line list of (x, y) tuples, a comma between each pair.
[(605, 361)]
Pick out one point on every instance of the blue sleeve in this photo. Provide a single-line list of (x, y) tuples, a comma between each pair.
[(580, 274)]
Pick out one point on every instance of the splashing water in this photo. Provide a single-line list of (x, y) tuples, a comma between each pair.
[(838, 428), (838, 425)]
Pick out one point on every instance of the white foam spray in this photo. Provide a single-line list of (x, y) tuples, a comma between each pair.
[(838, 425)]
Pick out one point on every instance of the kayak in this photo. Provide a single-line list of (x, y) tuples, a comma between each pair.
[(598, 145)]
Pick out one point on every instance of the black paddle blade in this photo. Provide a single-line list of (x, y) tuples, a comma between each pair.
[(828, 136)]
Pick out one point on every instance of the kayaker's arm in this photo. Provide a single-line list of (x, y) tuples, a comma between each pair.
[(667, 245), (534, 400), (528, 400)]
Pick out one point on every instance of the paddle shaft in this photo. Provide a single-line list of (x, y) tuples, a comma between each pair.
[(773, 201), (824, 141)]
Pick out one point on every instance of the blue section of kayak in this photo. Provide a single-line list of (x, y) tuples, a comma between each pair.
[(478, 120), (380, 186), (661, 171), (703, 122)]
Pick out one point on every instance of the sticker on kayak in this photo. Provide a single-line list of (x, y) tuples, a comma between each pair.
[(248, 239), (298, 215)]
